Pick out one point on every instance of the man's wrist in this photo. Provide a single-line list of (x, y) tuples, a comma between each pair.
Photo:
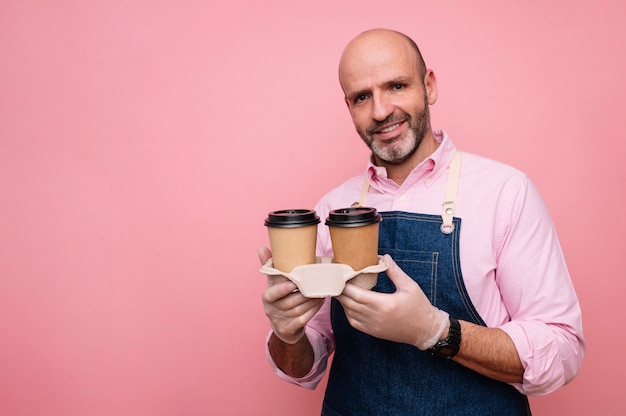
[(450, 345)]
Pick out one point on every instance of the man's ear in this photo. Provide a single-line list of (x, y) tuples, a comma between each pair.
[(430, 83)]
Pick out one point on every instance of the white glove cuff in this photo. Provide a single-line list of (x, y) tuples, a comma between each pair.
[(440, 322)]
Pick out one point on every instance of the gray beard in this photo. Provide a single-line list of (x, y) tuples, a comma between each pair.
[(419, 126)]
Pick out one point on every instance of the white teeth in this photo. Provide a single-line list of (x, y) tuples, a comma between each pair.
[(388, 129)]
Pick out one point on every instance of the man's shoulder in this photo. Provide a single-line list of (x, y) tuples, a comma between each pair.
[(490, 181), (474, 164)]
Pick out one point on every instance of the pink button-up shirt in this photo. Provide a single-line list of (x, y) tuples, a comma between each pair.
[(511, 261)]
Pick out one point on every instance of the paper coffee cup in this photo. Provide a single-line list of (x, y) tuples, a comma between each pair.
[(354, 236), (293, 236)]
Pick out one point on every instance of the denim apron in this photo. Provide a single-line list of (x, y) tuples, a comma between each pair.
[(372, 376)]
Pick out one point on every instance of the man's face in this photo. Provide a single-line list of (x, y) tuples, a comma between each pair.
[(399, 146), (387, 99)]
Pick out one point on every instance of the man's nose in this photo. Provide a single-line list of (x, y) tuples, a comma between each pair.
[(381, 107)]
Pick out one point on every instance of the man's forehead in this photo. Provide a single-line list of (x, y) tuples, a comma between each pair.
[(383, 65)]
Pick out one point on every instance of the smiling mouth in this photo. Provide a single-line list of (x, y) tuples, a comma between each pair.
[(389, 128), (389, 132)]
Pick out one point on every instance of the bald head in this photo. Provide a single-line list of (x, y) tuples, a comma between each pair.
[(375, 42)]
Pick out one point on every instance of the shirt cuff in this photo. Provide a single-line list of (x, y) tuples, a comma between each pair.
[(540, 356), (320, 361)]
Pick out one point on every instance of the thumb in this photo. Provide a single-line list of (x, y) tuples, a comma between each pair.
[(399, 278), (264, 254)]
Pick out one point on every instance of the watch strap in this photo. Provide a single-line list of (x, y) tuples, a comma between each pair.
[(449, 347)]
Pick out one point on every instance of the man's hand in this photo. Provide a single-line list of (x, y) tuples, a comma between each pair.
[(404, 316), (287, 309)]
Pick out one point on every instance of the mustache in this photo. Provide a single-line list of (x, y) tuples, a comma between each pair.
[(392, 118)]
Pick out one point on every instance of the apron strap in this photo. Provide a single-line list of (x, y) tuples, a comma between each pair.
[(449, 200), (364, 190)]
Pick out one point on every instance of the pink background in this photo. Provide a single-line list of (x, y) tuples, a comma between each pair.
[(143, 143)]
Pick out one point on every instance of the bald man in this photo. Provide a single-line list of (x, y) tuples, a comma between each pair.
[(467, 319)]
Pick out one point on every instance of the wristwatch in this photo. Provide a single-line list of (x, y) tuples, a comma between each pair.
[(449, 346)]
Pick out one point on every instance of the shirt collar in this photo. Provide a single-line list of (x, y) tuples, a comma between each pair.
[(431, 168)]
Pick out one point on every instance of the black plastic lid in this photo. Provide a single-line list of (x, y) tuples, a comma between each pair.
[(291, 218), (353, 217)]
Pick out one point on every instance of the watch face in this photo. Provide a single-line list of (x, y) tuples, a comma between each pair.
[(450, 346), (446, 351)]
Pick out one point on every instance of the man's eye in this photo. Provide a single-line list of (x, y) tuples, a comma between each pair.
[(359, 98), (398, 86)]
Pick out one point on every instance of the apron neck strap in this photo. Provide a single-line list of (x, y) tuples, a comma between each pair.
[(365, 187), (452, 186), (449, 201)]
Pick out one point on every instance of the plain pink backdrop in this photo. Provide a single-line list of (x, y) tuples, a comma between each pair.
[(142, 144)]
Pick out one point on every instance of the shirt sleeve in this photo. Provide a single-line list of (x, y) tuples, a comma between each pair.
[(319, 333), (546, 324)]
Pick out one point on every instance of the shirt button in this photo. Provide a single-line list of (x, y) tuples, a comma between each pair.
[(379, 172), (403, 198)]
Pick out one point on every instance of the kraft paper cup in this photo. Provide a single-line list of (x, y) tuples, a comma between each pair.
[(293, 236), (354, 236)]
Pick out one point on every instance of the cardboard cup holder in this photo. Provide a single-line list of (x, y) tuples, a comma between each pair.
[(325, 278)]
